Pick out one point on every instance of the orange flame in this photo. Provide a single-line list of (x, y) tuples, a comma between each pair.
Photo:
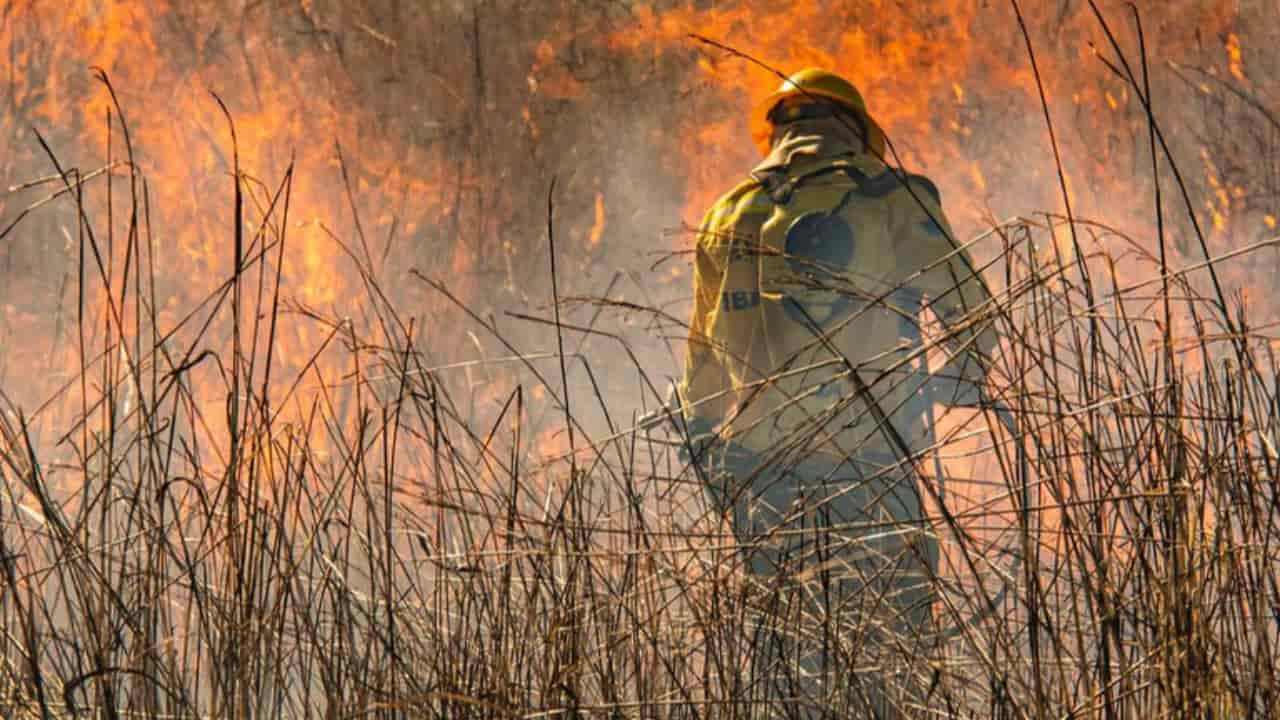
[(597, 228), (950, 81)]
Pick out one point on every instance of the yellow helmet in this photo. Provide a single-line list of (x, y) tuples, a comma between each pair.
[(815, 82)]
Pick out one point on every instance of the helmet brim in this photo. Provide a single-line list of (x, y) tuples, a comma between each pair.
[(762, 129)]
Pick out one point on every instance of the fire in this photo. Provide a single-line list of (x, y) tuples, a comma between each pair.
[(1236, 65), (294, 114), (597, 228), (951, 84), (448, 174), (428, 137), (549, 77)]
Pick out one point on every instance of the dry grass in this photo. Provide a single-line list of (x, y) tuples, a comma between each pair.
[(346, 542)]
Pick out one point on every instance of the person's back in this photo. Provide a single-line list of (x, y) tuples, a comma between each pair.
[(803, 362), (818, 263)]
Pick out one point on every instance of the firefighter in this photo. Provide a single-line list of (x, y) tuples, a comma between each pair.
[(806, 395)]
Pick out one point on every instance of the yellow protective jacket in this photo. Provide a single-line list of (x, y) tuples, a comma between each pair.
[(818, 264)]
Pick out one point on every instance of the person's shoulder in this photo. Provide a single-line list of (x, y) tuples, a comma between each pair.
[(898, 184), (916, 207), (922, 183), (749, 192), (746, 197)]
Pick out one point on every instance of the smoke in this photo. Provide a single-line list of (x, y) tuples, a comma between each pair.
[(426, 136)]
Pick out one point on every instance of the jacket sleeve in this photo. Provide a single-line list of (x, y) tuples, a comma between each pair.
[(953, 290), (705, 376)]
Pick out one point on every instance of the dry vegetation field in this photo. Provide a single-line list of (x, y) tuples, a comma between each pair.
[(213, 512)]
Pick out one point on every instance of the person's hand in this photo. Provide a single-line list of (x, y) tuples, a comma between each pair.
[(669, 411), (700, 440), (655, 418)]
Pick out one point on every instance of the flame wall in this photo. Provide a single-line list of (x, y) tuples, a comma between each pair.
[(452, 119)]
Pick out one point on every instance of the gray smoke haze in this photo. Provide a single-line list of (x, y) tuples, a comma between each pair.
[(453, 118)]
